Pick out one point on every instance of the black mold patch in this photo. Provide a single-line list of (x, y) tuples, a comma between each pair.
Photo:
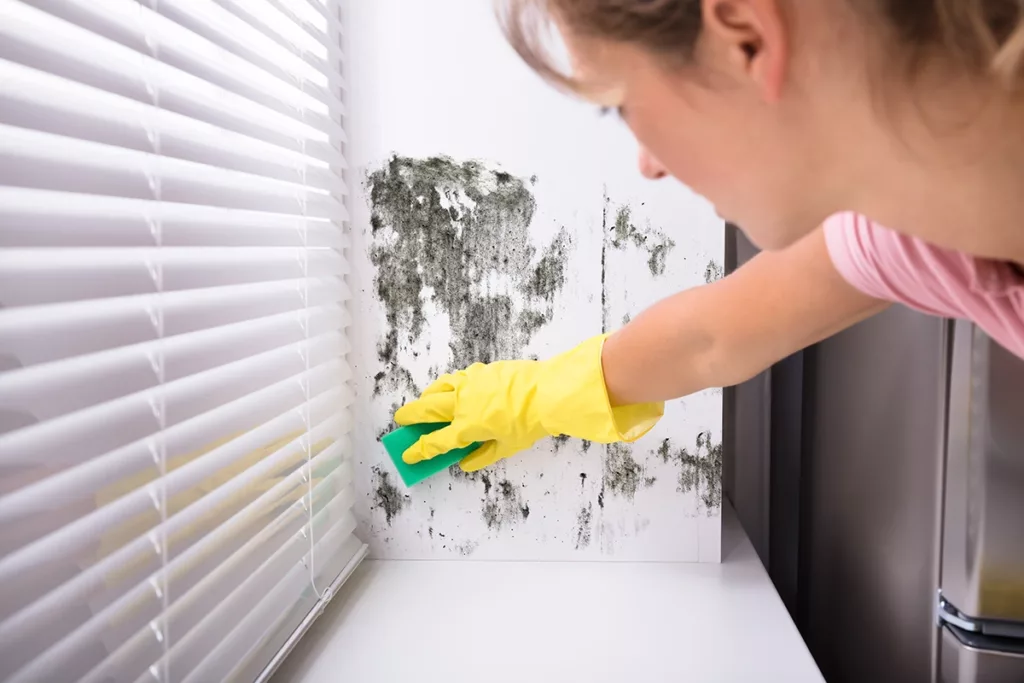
[(503, 507), (623, 475), (442, 229), (713, 271), (586, 445), (700, 471), (654, 242), (559, 441), (386, 496), (584, 520)]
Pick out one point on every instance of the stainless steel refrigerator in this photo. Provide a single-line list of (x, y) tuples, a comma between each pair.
[(880, 475)]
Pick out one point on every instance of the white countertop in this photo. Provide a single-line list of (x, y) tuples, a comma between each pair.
[(455, 621)]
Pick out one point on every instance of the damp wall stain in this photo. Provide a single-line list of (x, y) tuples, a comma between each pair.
[(559, 441), (700, 471), (654, 242), (502, 506), (584, 521), (713, 271), (386, 496), (443, 230), (451, 245), (623, 475)]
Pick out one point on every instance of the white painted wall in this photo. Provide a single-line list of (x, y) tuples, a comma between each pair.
[(436, 77)]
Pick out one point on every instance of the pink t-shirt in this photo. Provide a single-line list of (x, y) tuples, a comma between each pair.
[(894, 267)]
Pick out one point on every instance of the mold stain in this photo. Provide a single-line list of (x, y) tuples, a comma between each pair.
[(386, 496), (584, 521), (623, 475), (466, 549), (502, 506), (457, 234), (654, 242), (699, 471), (560, 441), (713, 271)]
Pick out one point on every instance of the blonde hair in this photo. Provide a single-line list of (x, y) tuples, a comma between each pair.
[(985, 36)]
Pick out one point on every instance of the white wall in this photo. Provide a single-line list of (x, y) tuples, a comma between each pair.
[(430, 78)]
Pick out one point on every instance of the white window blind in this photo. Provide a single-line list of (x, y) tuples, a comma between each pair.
[(175, 467)]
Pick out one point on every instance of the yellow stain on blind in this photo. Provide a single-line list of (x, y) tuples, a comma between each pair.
[(140, 565)]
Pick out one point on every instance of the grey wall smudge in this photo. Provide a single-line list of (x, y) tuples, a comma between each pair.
[(584, 520), (560, 441), (465, 549), (386, 496), (502, 505), (713, 271), (620, 232), (700, 471), (440, 228), (654, 242), (623, 475)]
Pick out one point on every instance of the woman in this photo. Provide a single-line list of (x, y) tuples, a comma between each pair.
[(804, 123)]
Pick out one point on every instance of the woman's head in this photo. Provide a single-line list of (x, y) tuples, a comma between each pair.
[(751, 102)]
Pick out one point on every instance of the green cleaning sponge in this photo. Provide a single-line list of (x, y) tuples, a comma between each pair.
[(396, 443)]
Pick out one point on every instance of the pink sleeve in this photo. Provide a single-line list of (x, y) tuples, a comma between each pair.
[(852, 242)]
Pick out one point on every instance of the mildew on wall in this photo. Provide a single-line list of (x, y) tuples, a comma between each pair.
[(450, 241), (495, 219)]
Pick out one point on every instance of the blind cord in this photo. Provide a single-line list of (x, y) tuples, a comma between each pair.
[(307, 421)]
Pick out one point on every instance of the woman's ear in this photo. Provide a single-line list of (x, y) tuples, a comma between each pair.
[(752, 35)]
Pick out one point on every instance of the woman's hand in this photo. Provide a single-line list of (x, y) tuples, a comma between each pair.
[(510, 405)]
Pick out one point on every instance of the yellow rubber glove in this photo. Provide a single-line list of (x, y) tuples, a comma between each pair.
[(510, 405)]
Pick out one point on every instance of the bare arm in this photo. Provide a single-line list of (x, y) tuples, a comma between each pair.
[(726, 332)]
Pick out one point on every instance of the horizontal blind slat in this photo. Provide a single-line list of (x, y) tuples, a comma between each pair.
[(269, 649), (38, 160), (255, 620), (45, 218), (36, 39), (95, 430), (134, 26), (222, 601), (219, 26), (104, 482), (266, 16), (242, 606), (120, 547), (39, 101), (44, 392), (40, 334), (117, 621), (49, 276), (119, 528)]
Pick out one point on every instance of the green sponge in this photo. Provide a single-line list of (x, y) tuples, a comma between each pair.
[(396, 443)]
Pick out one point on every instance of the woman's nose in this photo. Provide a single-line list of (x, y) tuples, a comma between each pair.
[(650, 167)]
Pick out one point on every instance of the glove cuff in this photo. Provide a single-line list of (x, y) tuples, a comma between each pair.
[(572, 399)]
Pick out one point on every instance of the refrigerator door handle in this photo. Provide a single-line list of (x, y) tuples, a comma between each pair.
[(972, 658)]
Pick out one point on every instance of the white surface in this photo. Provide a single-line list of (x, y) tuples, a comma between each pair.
[(535, 621), (438, 77)]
